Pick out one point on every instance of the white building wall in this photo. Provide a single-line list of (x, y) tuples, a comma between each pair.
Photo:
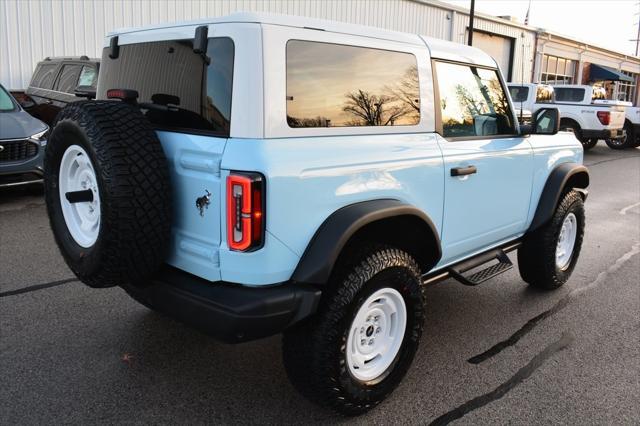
[(33, 29)]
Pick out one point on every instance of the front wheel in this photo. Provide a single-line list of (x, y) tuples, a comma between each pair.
[(548, 255), (359, 346)]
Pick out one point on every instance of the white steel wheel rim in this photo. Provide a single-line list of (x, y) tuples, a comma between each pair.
[(77, 174), (376, 334), (566, 241)]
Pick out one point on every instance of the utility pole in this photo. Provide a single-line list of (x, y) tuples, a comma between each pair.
[(471, 15), (638, 37)]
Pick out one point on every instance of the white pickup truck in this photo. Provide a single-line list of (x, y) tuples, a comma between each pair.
[(583, 111)]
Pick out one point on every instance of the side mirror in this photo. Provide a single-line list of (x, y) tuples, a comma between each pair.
[(545, 121), (25, 101), (88, 92)]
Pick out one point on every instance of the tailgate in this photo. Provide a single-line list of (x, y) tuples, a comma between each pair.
[(617, 117), (194, 165)]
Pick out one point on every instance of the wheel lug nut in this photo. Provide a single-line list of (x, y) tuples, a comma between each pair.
[(370, 342), (362, 342), (378, 330), (361, 330)]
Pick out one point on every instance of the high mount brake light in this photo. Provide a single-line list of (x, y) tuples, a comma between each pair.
[(604, 117), (124, 95), (245, 211)]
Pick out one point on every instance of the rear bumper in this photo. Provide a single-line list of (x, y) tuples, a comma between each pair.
[(603, 134), (231, 313)]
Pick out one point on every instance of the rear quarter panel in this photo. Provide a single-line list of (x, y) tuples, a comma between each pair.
[(310, 178)]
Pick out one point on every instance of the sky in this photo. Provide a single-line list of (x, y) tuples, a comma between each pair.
[(605, 23)]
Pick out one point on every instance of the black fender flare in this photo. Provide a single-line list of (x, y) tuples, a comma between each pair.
[(564, 175), (331, 237)]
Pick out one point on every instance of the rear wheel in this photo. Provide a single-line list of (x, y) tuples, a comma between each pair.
[(617, 143), (360, 344), (628, 141), (633, 135), (624, 142)]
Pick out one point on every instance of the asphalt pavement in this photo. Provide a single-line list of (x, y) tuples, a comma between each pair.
[(493, 354)]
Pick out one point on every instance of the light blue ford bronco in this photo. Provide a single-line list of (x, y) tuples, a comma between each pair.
[(257, 174)]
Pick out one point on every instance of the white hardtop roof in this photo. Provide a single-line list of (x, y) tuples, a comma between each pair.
[(439, 48)]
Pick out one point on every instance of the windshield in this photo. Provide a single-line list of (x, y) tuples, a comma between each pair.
[(195, 90), (6, 102)]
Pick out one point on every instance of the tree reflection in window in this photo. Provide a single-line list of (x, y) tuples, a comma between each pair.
[(472, 102), (331, 85)]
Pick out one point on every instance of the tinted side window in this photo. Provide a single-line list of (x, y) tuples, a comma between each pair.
[(519, 93), (332, 85), (170, 73), (43, 76), (472, 102), (567, 94), (88, 77), (68, 79)]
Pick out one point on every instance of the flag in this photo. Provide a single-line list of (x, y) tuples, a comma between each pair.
[(526, 18)]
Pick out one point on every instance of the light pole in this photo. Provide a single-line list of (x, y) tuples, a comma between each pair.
[(471, 15)]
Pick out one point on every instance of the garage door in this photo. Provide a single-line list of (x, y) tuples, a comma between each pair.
[(499, 47)]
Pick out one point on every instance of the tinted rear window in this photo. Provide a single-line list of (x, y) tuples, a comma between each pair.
[(170, 73), (68, 79), (44, 75), (568, 94), (332, 85)]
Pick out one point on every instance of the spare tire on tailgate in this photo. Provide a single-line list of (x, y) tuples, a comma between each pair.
[(107, 192)]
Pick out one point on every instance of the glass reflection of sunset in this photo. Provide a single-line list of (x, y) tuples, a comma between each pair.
[(335, 85)]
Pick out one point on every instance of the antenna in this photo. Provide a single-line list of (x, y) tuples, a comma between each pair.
[(522, 72)]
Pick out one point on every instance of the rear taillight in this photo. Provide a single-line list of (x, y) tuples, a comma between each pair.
[(604, 117), (245, 211)]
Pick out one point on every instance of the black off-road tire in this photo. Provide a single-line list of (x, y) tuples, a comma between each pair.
[(133, 180), (537, 255), (632, 135), (587, 144), (314, 351), (626, 142)]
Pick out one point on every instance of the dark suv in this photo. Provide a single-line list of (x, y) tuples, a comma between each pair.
[(57, 82)]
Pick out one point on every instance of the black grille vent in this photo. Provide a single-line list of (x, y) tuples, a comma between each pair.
[(19, 150)]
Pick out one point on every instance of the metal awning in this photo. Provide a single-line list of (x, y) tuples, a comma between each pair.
[(600, 72)]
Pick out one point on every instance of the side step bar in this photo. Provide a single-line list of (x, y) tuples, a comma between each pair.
[(457, 270)]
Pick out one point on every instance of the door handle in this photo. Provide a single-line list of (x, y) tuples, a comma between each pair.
[(48, 102), (462, 171)]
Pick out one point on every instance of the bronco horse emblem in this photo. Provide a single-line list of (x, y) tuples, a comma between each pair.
[(203, 202)]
